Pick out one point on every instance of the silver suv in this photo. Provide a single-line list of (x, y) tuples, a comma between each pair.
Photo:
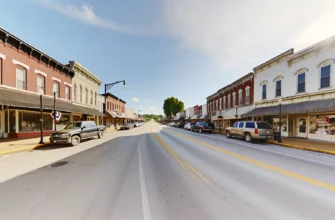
[(250, 130)]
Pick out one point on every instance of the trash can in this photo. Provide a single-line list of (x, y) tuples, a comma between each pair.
[(276, 135)]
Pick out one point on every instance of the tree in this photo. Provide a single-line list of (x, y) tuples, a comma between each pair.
[(173, 105)]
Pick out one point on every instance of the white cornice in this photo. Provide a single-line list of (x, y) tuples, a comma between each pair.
[(2, 56), (21, 64), (56, 79), (68, 84)]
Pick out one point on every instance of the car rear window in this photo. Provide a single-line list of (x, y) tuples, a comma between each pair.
[(263, 125), (250, 125)]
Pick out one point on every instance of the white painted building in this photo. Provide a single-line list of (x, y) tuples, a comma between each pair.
[(304, 83)]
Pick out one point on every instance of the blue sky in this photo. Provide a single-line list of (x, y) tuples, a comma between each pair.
[(183, 48)]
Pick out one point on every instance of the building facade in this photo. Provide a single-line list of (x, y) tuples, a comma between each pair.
[(228, 104), (85, 90), (301, 86), (25, 74), (115, 111)]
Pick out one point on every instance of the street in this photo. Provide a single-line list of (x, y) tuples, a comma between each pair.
[(159, 172)]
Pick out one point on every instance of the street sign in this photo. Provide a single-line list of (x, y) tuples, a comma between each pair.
[(58, 115)]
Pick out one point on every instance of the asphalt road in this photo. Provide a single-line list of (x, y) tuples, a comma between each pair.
[(158, 172)]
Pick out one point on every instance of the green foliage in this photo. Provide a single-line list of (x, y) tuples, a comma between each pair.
[(148, 117), (173, 105)]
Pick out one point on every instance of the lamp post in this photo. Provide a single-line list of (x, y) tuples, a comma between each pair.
[(41, 109), (279, 137), (107, 87), (54, 105)]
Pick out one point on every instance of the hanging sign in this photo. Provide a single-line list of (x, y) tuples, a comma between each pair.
[(58, 115)]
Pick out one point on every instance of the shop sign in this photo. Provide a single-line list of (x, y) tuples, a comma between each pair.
[(58, 115), (323, 120)]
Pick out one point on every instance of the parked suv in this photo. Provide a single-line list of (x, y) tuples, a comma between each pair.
[(250, 130), (203, 127)]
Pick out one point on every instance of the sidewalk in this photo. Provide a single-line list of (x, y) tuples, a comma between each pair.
[(10, 146), (305, 144)]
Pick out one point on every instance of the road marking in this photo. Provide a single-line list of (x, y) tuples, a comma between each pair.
[(145, 201), (258, 148), (195, 174), (263, 165)]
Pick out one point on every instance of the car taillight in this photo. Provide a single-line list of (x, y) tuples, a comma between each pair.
[(256, 130)]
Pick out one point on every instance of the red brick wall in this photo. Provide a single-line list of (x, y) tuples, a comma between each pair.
[(9, 71), (112, 103), (29, 135)]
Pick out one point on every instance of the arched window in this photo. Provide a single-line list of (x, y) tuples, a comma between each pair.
[(263, 84), (247, 95), (91, 101), (224, 102), (240, 97), (234, 99), (95, 98), (325, 73), (229, 98), (75, 92), (81, 93), (86, 98), (21, 78)]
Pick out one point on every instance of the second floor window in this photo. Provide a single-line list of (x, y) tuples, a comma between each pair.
[(301, 82), (264, 92), (234, 99), (75, 92), (67, 93), (220, 103), (40, 85), (240, 97), (86, 96), (95, 98), (224, 102), (325, 77), (247, 96), (81, 94), (229, 101), (278, 88), (21, 77), (56, 89), (91, 102), (0, 70)]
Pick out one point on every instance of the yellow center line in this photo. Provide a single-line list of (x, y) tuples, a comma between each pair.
[(261, 164), (195, 174)]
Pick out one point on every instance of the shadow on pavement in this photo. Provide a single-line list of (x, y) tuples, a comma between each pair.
[(57, 146)]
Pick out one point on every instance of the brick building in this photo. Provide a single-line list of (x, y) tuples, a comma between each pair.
[(229, 103), (115, 108)]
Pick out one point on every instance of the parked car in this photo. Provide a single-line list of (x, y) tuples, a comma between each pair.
[(136, 124), (180, 124), (188, 125), (203, 127), (171, 124), (250, 130), (127, 126), (74, 132)]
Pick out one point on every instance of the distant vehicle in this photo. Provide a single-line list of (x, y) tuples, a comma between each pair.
[(171, 124), (250, 130), (180, 124), (188, 125), (74, 132), (127, 126), (136, 124), (203, 127)]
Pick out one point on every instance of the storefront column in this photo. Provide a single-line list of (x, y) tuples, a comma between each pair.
[(16, 121)]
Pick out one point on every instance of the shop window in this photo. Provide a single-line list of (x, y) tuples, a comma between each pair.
[(301, 82), (40, 85), (278, 88), (263, 91), (275, 124), (31, 121), (325, 76), (322, 125), (21, 77), (64, 120)]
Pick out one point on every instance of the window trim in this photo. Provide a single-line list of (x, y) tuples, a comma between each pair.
[(324, 64), (53, 86), (266, 91), (75, 92), (278, 80), (234, 99), (229, 101), (81, 94), (69, 89), (247, 90), (297, 75), (40, 76), (86, 96), (240, 97)]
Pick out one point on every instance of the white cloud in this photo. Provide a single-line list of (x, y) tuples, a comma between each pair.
[(84, 14), (239, 34), (153, 107), (135, 99)]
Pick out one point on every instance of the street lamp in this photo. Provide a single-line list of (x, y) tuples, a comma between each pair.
[(54, 105), (107, 87), (41, 109), (279, 137)]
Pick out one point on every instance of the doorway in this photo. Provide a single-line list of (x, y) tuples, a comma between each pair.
[(2, 125), (291, 127), (302, 127)]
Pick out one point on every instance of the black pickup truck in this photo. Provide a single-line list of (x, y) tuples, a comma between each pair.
[(74, 132)]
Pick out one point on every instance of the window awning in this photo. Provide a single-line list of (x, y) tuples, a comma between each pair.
[(194, 117), (121, 115), (23, 99), (241, 111), (112, 114), (325, 105)]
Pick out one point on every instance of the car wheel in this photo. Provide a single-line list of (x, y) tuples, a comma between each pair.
[(200, 130), (247, 137), (228, 134), (75, 140), (101, 134)]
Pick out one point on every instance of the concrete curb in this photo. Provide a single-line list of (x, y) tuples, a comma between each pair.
[(24, 149), (303, 148)]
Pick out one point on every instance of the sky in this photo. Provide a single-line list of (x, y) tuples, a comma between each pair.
[(188, 49)]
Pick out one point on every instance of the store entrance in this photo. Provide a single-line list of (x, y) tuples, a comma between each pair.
[(302, 127), (2, 125)]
